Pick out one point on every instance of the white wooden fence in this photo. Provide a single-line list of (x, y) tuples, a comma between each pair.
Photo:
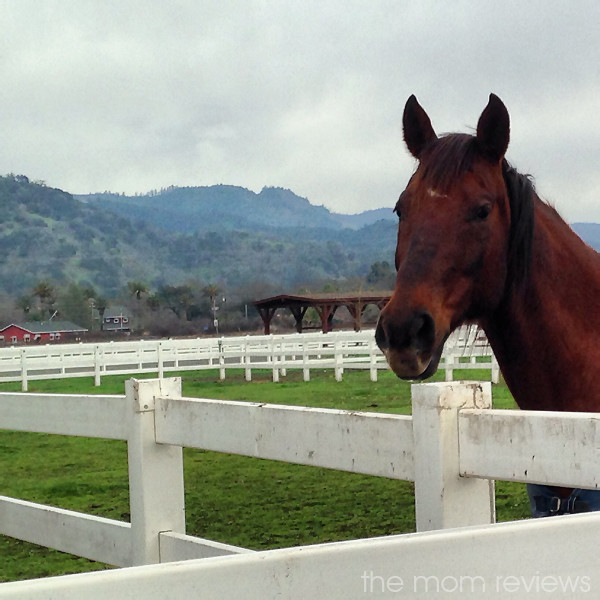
[(337, 350), (451, 447)]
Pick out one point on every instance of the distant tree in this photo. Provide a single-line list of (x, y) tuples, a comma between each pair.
[(76, 304), (46, 294), (24, 303), (153, 302), (211, 291), (381, 275), (330, 287), (137, 289), (177, 298)]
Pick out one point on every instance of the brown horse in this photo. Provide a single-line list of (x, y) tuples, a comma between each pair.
[(476, 244)]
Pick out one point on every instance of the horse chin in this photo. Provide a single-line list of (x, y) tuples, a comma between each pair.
[(413, 365)]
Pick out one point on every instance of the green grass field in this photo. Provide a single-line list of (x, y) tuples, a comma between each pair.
[(242, 501)]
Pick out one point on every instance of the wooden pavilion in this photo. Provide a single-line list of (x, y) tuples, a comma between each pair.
[(324, 304)]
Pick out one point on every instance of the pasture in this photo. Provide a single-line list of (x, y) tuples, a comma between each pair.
[(247, 502)]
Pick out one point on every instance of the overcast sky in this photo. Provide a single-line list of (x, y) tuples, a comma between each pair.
[(130, 96)]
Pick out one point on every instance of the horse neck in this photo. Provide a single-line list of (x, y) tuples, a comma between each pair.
[(545, 335)]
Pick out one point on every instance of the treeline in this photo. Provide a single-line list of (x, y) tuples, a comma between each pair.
[(170, 310)]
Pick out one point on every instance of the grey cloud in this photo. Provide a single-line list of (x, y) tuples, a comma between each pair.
[(139, 95)]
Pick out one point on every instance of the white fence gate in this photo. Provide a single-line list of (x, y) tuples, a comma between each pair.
[(452, 447)]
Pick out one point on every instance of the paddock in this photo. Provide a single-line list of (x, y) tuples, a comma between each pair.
[(452, 447)]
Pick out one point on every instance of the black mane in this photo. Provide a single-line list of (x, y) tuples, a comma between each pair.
[(448, 158), (521, 194)]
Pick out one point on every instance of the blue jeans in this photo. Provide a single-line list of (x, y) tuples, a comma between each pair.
[(545, 502)]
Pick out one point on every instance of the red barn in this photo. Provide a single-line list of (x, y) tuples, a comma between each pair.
[(40, 331)]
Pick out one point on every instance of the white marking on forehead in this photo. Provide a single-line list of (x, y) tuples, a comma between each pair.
[(435, 194)]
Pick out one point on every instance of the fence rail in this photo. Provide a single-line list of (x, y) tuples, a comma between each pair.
[(472, 562), (452, 446), (338, 351)]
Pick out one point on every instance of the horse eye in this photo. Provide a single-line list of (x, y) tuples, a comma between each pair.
[(398, 208), (399, 212), (481, 213)]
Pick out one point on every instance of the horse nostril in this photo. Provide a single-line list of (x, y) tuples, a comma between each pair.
[(418, 332), (422, 331), (390, 334), (380, 336)]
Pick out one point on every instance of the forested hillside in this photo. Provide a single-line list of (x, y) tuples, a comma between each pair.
[(221, 233), (47, 234)]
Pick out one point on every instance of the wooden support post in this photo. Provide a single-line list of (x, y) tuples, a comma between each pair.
[(266, 314), (155, 472), (444, 499), (326, 312), (298, 312)]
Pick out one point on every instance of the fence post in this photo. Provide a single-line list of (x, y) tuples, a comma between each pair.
[(338, 360), (495, 369), (159, 360), (449, 366), (175, 351), (97, 364), (247, 362), (305, 357), (221, 360), (24, 382), (373, 360), (444, 499), (282, 360), (155, 472), (274, 361)]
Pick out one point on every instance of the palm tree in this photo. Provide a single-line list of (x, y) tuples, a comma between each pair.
[(137, 289), (44, 290), (211, 291)]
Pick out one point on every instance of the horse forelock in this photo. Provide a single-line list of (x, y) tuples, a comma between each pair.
[(446, 159)]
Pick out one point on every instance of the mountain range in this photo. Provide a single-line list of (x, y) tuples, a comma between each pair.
[(215, 234), (219, 234), (227, 207)]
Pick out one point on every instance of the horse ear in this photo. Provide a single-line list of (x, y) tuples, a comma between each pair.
[(418, 131), (493, 129)]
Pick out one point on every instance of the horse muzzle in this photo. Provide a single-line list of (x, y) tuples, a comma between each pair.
[(409, 345)]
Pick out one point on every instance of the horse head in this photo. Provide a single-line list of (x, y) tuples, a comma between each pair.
[(453, 238)]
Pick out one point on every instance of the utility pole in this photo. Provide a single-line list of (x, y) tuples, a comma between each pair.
[(215, 309)]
